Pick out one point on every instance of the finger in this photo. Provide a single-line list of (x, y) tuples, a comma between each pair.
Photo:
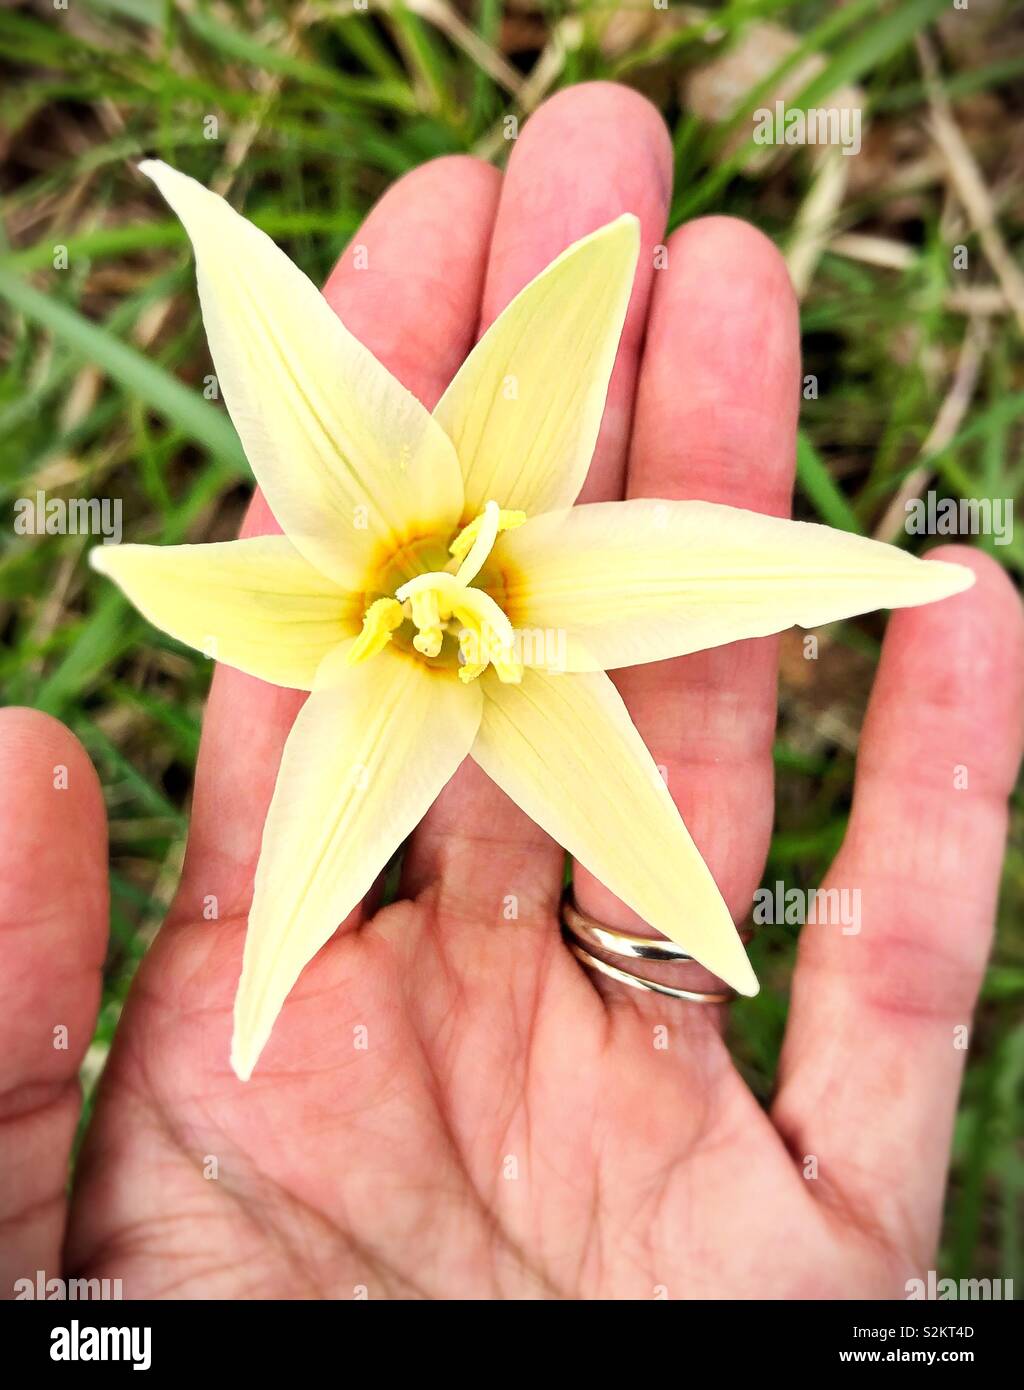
[(409, 288), (873, 1056), (53, 936), (586, 156), (716, 420)]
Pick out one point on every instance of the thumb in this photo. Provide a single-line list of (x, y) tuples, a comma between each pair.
[(53, 935)]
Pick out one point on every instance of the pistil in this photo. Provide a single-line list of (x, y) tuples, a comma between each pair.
[(440, 601)]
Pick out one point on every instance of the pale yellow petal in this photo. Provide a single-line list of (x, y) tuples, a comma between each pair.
[(351, 463), (616, 583), (369, 752), (254, 604), (565, 749), (525, 408)]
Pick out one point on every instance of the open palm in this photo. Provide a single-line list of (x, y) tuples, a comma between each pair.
[(449, 1105)]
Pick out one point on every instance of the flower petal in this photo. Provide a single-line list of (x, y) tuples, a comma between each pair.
[(565, 749), (351, 463), (525, 408), (370, 750), (253, 604), (617, 583)]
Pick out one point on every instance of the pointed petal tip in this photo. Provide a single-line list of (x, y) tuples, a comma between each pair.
[(957, 581), (249, 1032), (153, 169), (749, 985), (627, 226), (164, 177), (98, 560), (626, 219), (243, 1062), (169, 180), (935, 579), (740, 973)]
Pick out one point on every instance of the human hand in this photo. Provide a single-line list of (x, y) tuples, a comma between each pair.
[(511, 1128)]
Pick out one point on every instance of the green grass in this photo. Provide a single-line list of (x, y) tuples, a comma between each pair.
[(88, 408)]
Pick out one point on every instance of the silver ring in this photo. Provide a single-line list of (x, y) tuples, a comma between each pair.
[(619, 943), (578, 928)]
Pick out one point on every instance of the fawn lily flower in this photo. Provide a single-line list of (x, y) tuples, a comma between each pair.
[(439, 595)]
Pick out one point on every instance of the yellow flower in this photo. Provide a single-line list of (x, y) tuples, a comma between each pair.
[(440, 596)]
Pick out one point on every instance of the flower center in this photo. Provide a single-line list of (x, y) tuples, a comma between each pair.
[(443, 603)]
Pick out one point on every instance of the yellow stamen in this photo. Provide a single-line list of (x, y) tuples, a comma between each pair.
[(379, 622), (426, 614), (440, 601), (466, 539), (483, 640), (510, 671), (486, 535), (469, 650)]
